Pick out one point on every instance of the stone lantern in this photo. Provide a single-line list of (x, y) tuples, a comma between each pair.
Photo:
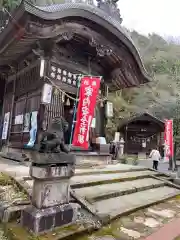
[(121, 147), (50, 204)]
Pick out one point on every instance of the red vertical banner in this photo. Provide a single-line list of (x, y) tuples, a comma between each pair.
[(89, 90), (168, 139)]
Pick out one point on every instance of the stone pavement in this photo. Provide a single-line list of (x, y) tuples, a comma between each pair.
[(163, 166), (158, 222), (168, 232), (18, 170), (13, 168)]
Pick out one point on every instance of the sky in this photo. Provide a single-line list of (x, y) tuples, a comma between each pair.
[(151, 16)]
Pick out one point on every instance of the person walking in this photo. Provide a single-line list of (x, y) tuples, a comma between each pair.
[(155, 156)]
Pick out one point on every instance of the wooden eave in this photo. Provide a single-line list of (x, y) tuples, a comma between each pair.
[(18, 38)]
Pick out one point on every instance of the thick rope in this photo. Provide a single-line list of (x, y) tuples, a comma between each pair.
[(74, 99)]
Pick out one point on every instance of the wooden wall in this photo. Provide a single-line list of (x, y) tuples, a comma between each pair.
[(22, 95)]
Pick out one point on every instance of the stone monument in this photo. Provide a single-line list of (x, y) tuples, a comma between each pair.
[(51, 169)]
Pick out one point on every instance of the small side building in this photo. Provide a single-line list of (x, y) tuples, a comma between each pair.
[(141, 133)]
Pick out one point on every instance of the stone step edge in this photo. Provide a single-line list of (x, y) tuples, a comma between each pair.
[(167, 182), (89, 207), (164, 174), (100, 172), (124, 192), (112, 171), (145, 205), (109, 181)]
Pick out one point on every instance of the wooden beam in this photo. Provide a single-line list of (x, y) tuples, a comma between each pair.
[(74, 66), (23, 71)]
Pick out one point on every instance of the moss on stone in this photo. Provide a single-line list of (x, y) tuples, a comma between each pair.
[(5, 179), (177, 197), (110, 230), (15, 232), (2, 233), (177, 238)]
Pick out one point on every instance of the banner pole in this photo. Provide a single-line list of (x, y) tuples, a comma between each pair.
[(74, 112)]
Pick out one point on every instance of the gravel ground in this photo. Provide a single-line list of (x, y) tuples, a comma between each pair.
[(2, 237)]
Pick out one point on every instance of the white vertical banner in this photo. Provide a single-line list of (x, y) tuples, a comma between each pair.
[(5, 126), (46, 94), (33, 131)]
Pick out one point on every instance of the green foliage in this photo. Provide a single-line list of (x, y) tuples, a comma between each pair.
[(135, 161), (161, 97), (123, 160), (9, 4)]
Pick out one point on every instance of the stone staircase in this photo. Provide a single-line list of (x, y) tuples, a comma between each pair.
[(113, 190), (116, 190), (97, 193), (107, 192)]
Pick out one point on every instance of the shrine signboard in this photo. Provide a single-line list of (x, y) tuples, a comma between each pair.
[(89, 89), (5, 126), (168, 139)]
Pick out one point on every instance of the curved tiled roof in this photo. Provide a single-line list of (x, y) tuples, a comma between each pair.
[(92, 13), (17, 41), (140, 117)]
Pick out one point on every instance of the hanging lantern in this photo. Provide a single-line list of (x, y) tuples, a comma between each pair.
[(109, 109), (63, 97), (101, 103), (56, 91), (107, 91), (68, 102), (42, 67)]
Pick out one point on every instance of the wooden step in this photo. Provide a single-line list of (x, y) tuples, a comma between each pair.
[(105, 191), (90, 180), (114, 207)]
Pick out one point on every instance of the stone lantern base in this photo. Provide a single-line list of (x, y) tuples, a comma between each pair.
[(43, 220), (51, 205)]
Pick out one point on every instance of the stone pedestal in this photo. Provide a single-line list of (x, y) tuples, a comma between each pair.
[(51, 185), (178, 171), (44, 220), (50, 196)]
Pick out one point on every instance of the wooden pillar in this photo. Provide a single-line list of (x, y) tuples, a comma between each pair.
[(11, 110), (100, 120), (126, 139)]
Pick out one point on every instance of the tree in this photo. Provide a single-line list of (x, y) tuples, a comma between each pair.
[(9, 5), (161, 96)]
